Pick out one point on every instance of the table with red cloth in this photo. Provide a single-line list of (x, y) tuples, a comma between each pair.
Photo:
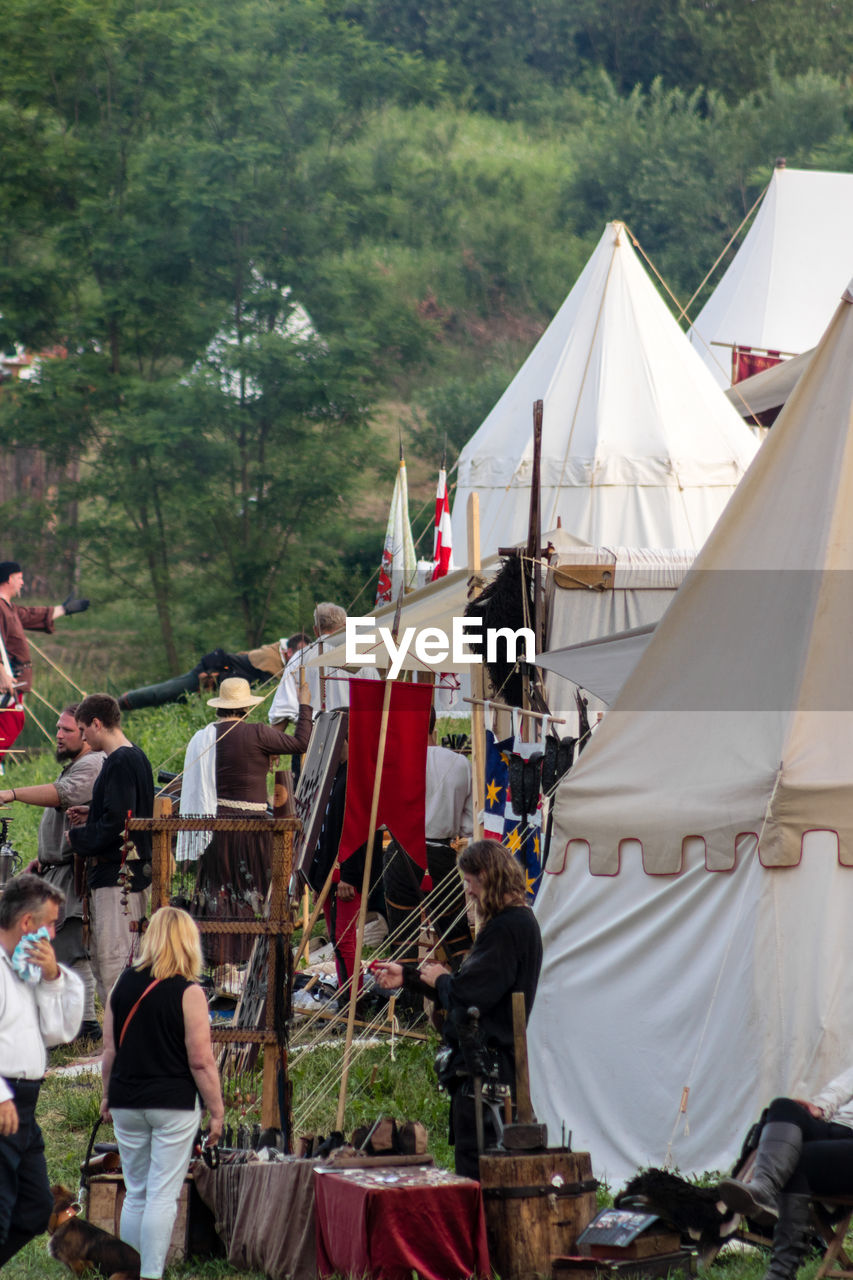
[(386, 1223)]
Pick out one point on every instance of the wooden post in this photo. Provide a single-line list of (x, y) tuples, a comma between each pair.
[(478, 679), (282, 796), (161, 857), (365, 891), (279, 919), (315, 915)]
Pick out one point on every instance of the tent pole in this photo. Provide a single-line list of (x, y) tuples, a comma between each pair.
[(534, 542), (478, 679)]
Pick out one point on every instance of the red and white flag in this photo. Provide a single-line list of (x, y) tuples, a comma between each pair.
[(443, 547), (399, 562)]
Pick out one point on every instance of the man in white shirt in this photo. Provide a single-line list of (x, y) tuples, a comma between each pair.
[(448, 815), (33, 1016), (329, 686), (55, 861)]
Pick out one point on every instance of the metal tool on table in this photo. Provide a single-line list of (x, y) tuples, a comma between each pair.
[(526, 1133)]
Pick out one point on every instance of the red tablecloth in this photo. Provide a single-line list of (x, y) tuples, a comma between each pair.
[(388, 1223)]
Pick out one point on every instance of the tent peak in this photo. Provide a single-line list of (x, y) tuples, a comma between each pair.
[(638, 448)]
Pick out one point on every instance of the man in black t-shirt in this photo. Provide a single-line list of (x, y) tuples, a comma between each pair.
[(96, 832)]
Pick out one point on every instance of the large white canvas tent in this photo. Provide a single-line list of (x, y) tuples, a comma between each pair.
[(783, 283), (696, 911), (639, 446)]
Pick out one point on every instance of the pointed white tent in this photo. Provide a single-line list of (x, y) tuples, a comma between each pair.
[(696, 921), (783, 283), (639, 447)]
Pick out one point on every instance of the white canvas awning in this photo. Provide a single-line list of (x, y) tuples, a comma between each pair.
[(599, 666)]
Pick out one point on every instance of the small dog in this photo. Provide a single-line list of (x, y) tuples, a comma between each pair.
[(85, 1248)]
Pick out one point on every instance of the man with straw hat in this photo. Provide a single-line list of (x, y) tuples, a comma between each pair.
[(225, 774)]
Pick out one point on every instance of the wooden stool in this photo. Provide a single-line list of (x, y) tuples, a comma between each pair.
[(833, 1233)]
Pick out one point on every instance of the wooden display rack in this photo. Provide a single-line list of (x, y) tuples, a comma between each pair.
[(163, 827)]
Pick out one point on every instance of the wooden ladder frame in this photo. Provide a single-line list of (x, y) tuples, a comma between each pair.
[(163, 826)]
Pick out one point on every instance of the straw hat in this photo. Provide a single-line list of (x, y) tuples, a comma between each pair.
[(234, 695)]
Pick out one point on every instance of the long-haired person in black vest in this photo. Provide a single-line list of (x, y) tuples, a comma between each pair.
[(158, 1061), (506, 957)]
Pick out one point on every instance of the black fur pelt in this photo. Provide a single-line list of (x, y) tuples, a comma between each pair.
[(691, 1210), (502, 605)]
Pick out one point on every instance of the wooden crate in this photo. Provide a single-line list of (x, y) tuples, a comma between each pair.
[(645, 1246), (192, 1235)]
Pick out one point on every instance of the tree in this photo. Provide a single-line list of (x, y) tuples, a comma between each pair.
[(682, 170), (156, 154), (285, 412)]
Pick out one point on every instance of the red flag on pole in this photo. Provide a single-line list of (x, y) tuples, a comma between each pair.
[(443, 546), (402, 795)]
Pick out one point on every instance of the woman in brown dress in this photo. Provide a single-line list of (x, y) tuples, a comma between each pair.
[(234, 869)]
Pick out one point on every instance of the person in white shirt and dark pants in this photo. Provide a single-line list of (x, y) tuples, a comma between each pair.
[(41, 1004)]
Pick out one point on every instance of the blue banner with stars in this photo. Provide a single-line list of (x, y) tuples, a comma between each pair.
[(501, 822)]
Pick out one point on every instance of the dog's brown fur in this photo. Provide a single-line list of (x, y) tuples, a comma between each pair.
[(85, 1248)]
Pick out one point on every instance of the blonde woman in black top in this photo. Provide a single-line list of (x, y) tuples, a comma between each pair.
[(158, 1060)]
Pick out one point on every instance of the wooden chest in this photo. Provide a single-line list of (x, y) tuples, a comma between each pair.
[(193, 1234)]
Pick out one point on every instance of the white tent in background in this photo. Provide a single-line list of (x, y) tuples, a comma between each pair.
[(696, 918), (639, 447), (783, 283)]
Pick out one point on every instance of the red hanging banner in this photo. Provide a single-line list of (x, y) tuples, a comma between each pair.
[(747, 360), (402, 795)]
